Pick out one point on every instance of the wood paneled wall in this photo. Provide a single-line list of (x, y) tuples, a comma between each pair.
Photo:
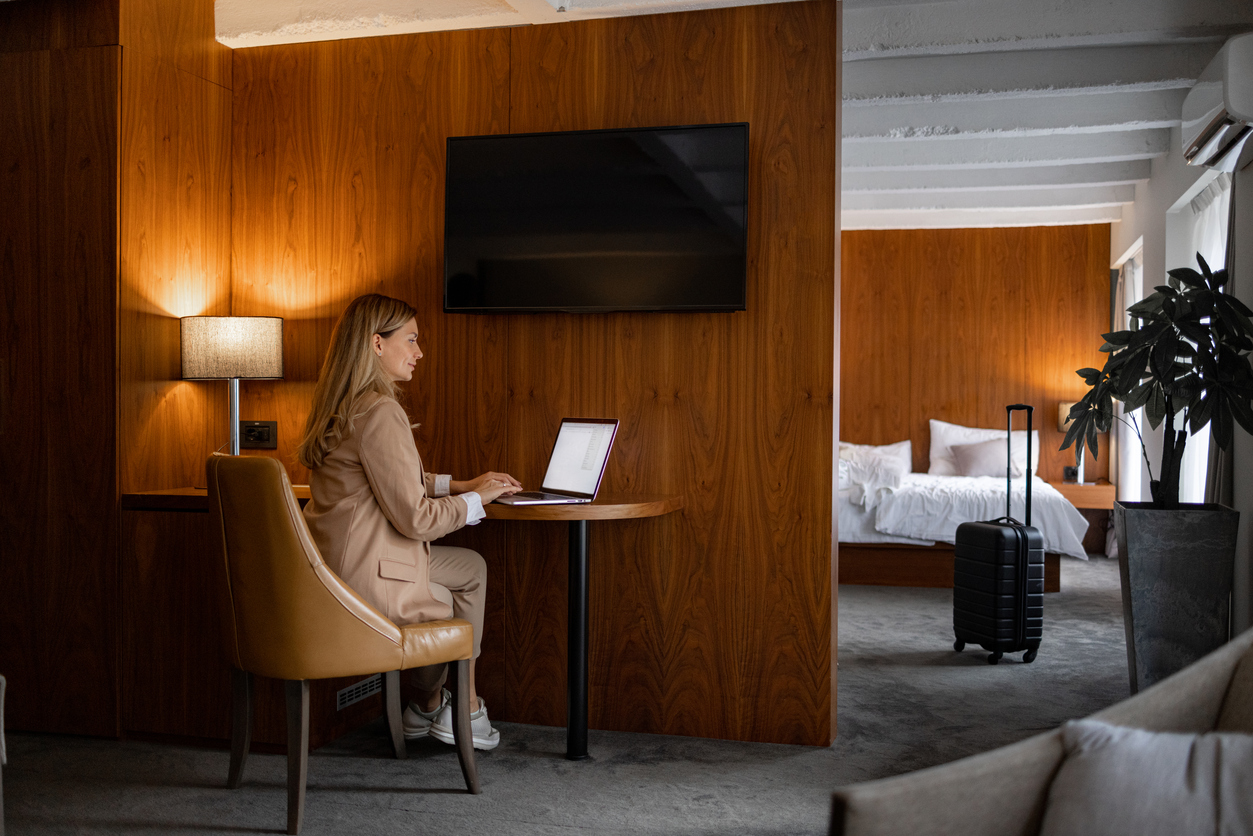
[(175, 192), (58, 263), (715, 622), (954, 324), (116, 220)]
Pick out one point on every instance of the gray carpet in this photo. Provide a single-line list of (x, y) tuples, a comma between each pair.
[(906, 701)]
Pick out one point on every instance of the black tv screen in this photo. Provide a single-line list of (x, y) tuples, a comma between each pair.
[(647, 219)]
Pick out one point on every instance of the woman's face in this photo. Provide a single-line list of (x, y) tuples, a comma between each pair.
[(399, 353)]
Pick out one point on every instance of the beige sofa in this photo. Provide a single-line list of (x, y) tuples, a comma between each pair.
[(1003, 792)]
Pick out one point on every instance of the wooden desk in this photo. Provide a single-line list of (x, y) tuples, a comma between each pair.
[(618, 507)]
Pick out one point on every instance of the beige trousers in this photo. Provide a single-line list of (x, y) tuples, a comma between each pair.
[(458, 578)]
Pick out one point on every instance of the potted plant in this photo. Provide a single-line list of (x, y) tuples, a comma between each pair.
[(1185, 360)]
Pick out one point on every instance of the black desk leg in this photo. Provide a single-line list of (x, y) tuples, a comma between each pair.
[(576, 666)]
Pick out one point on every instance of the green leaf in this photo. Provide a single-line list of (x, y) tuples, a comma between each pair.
[(1139, 396), (1117, 337), (1155, 406), (1218, 279), (1200, 415), (1187, 275), (1204, 266)]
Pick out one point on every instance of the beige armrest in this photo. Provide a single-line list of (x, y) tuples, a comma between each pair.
[(1188, 701), (998, 793)]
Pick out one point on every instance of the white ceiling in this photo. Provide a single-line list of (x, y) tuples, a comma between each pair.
[(957, 113)]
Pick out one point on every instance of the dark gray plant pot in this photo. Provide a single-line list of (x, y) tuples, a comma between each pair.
[(1176, 569)]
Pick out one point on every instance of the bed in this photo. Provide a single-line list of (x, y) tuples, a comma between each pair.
[(897, 528)]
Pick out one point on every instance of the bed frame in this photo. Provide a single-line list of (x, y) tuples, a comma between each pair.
[(888, 564)]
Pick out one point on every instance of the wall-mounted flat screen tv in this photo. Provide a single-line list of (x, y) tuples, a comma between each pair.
[(647, 219)]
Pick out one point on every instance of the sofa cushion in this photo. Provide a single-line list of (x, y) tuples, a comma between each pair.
[(1237, 711), (1117, 780)]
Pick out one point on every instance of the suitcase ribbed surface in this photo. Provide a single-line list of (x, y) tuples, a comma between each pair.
[(986, 592)]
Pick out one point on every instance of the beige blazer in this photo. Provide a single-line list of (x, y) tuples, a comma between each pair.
[(373, 515)]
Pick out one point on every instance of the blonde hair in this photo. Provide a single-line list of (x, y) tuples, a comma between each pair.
[(350, 372)]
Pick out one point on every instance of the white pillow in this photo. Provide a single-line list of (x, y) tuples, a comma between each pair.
[(983, 458), (945, 435), (1117, 781), (869, 454)]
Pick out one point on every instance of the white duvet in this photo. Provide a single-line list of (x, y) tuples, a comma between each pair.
[(924, 509)]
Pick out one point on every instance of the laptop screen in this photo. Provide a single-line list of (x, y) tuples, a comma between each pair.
[(579, 456)]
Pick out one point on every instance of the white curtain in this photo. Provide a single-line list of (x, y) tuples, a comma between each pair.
[(1211, 213), (1129, 458)]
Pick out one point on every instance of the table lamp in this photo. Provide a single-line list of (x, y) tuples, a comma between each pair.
[(1070, 474), (229, 348)]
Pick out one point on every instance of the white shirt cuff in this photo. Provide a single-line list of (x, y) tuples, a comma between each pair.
[(474, 507), (442, 481)]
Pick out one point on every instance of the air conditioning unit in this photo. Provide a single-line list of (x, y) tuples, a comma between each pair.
[(1218, 111)]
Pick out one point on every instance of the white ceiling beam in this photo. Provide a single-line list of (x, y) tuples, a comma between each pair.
[(971, 218), (1004, 25), (538, 11), (1029, 115), (1005, 152), (1057, 198), (996, 179), (1152, 67)]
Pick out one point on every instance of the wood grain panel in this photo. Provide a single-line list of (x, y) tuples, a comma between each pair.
[(31, 25), (180, 33), (174, 207), (59, 586), (995, 316), (699, 620), (875, 369), (740, 595)]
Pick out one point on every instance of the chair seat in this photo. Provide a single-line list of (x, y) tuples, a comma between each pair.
[(434, 642)]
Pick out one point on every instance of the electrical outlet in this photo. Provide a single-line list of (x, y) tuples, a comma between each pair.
[(258, 435)]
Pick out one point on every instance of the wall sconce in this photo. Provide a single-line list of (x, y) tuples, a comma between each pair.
[(229, 348), (1070, 474)]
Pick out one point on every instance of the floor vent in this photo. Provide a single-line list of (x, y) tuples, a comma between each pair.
[(358, 691)]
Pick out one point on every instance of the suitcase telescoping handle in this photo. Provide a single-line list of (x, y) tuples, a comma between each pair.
[(1009, 460)]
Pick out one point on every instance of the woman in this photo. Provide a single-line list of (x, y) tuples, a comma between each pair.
[(375, 510)]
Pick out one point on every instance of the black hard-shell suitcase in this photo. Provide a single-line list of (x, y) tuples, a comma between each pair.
[(998, 576)]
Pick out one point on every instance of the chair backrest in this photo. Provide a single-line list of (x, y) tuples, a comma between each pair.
[(1236, 714), (286, 614)]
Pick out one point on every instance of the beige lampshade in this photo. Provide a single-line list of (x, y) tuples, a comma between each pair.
[(1063, 416), (217, 347)]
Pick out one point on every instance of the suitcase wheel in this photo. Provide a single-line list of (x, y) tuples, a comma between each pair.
[(959, 645), (1029, 656), (994, 658)]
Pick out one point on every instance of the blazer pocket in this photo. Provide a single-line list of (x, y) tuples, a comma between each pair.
[(397, 571)]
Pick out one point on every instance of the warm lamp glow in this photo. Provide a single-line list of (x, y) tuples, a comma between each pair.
[(231, 347), (224, 347)]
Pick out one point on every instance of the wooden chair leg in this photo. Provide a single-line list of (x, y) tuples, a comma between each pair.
[(461, 728), (297, 751), (241, 726), (392, 708)]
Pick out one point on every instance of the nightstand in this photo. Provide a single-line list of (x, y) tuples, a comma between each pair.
[(1095, 495), (1094, 500)]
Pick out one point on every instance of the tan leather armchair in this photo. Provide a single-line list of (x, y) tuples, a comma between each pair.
[(288, 616)]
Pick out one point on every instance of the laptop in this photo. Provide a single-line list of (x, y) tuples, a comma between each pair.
[(575, 466)]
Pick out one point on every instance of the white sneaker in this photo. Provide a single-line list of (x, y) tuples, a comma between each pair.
[(485, 737), (417, 723)]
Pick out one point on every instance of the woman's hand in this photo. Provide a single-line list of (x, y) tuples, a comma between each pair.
[(488, 486)]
